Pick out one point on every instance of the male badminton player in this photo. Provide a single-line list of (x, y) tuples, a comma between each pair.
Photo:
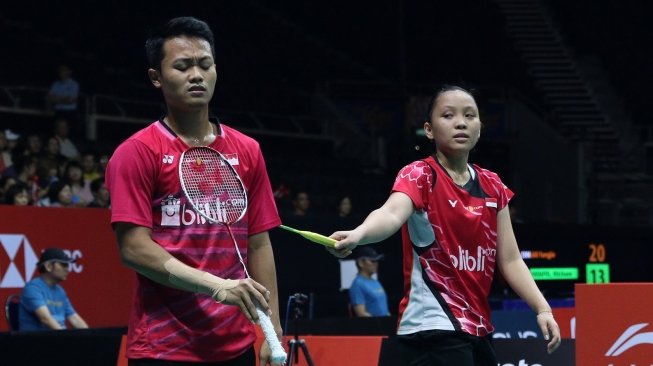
[(193, 302), (456, 230)]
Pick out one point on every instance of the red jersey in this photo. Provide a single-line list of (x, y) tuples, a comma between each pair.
[(142, 177), (450, 248)]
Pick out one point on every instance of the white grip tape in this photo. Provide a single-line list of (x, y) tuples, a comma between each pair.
[(194, 280), (278, 353)]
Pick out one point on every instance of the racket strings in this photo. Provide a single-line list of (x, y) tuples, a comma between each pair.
[(214, 189), (213, 186)]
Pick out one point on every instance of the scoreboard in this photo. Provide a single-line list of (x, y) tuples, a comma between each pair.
[(560, 256)]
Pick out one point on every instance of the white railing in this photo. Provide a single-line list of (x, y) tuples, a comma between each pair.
[(23, 100)]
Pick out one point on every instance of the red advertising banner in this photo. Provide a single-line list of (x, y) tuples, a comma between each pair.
[(614, 324), (566, 319), (99, 286)]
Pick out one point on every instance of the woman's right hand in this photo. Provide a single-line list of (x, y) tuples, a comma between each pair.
[(346, 242)]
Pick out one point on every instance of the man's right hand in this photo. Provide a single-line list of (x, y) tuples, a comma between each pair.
[(245, 295)]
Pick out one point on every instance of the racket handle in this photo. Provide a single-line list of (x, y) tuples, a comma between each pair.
[(278, 353)]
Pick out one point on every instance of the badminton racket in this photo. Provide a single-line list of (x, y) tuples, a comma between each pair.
[(314, 237), (214, 189)]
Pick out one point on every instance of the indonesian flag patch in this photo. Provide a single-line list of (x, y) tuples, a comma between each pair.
[(491, 202)]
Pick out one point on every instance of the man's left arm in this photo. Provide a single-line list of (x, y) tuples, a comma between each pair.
[(77, 321)]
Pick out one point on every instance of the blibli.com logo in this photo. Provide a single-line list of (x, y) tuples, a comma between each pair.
[(173, 213), (465, 261)]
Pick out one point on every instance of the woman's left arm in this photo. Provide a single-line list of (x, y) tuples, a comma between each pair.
[(519, 277)]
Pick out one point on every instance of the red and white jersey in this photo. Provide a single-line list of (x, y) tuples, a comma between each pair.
[(450, 248), (142, 177)]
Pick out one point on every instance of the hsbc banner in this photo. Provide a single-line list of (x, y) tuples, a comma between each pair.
[(98, 285), (515, 324), (614, 324), (522, 324)]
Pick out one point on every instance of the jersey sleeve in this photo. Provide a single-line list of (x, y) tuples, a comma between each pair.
[(416, 181), (32, 298), (130, 179), (498, 190), (262, 210)]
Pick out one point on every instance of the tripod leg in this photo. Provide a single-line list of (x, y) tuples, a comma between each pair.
[(309, 360), (292, 352)]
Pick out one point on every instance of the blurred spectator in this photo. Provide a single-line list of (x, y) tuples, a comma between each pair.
[(52, 163), (100, 194), (25, 168), (104, 160), (12, 140), (282, 198), (5, 184), (344, 207), (8, 143), (63, 95), (44, 304), (18, 195), (344, 217), (34, 146), (301, 204), (26, 173), (366, 294), (61, 132), (90, 167), (5, 154), (81, 190), (59, 195)]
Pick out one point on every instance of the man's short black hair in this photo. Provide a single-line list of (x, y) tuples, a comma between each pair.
[(182, 26)]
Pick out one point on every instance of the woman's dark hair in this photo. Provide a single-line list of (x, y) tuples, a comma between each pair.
[(182, 26), (70, 165), (55, 189), (443, 89), (22, 161), (10, 196)]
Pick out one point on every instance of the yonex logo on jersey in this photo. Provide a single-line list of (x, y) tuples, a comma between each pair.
[(466, 262), (168, 159), (453, 203), (21, 263)]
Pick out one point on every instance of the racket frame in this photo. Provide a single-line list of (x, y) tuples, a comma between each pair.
[(201, 210)]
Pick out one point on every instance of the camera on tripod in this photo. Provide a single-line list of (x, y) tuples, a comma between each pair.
[(296, 344), (299, 303)]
